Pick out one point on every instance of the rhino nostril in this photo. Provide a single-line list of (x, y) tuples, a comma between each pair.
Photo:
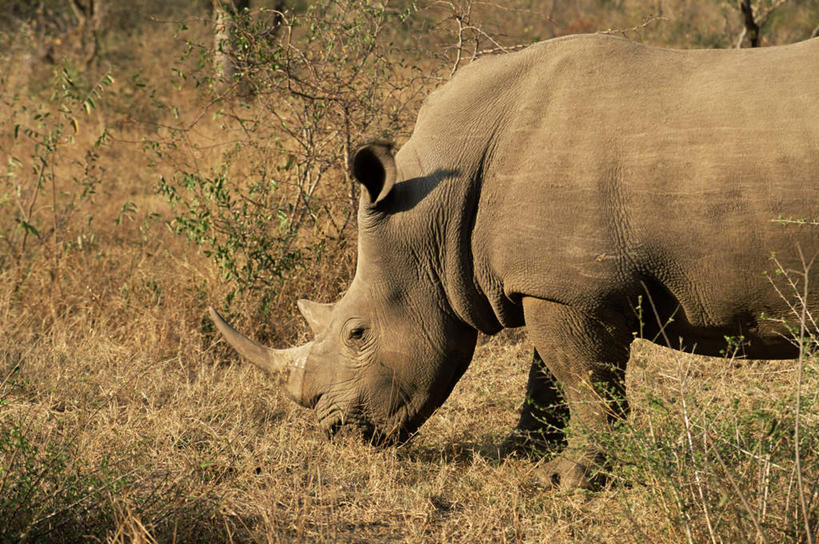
[(333, 429)]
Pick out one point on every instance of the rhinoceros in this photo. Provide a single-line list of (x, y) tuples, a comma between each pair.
[(566, 187)]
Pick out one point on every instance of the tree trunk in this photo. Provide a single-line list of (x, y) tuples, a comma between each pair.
[(89, 14), (224, 14)]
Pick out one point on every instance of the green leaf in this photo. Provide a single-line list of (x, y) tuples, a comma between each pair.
[(28, 227), (129, 208)]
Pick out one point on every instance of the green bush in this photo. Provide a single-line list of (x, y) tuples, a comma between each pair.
[(308, 87), (44, 488), (46, 186)]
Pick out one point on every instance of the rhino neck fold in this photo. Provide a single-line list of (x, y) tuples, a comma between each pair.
[(448, 214)]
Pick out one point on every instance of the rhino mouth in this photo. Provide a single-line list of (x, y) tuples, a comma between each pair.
[(335, 422), (338, 428), (337, 425)]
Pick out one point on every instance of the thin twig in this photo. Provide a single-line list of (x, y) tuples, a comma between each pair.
[(741, 495), (801, 363), (624, 31), (690, 441)]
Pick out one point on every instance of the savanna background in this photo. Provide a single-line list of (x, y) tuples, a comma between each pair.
[(162, 156)]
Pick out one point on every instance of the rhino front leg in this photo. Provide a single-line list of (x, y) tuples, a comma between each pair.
[(587, 355), (543, 416)]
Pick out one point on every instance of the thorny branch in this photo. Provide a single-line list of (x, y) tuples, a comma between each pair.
[(462, 15), (624, 31)]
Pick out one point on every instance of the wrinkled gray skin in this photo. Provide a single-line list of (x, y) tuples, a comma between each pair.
[(556, 188)]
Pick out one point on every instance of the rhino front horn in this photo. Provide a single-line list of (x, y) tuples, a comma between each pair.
[(268, 359)]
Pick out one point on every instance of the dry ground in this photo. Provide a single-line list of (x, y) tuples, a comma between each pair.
[(192, 444)]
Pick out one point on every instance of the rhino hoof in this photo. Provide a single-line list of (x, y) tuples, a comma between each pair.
[(564, 474)]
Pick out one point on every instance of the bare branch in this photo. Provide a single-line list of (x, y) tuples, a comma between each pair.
[(460, 16), (741, 38), (502, 49), (625, 31), (762, 16)]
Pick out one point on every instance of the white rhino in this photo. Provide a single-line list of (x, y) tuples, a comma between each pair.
[(556, 187)]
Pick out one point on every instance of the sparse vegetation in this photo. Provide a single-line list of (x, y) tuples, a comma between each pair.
[(122, 418)]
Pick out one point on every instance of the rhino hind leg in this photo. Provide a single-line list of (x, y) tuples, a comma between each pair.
[(586, 355)]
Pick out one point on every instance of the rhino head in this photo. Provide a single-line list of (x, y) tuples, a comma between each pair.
[(387, 354)]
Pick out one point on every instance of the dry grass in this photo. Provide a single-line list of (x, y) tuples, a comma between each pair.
[(124, 419), (197, 449)]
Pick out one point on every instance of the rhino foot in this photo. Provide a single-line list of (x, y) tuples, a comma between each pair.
[(565, 474)]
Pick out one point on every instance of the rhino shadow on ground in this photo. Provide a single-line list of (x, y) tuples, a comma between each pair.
[(460, 452), (488, 447)]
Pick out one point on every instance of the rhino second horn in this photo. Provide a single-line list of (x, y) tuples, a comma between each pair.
[(268, 359)]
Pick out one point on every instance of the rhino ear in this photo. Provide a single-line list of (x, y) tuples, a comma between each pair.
[(316, 314), (374, 168)]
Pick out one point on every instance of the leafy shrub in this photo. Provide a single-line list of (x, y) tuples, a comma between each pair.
[(43, 488), (278, 200), (46, 185)]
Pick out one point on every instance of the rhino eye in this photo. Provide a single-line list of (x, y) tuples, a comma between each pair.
[(355, 333)]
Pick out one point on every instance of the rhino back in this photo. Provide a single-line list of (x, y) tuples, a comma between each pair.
[(606, 163)]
